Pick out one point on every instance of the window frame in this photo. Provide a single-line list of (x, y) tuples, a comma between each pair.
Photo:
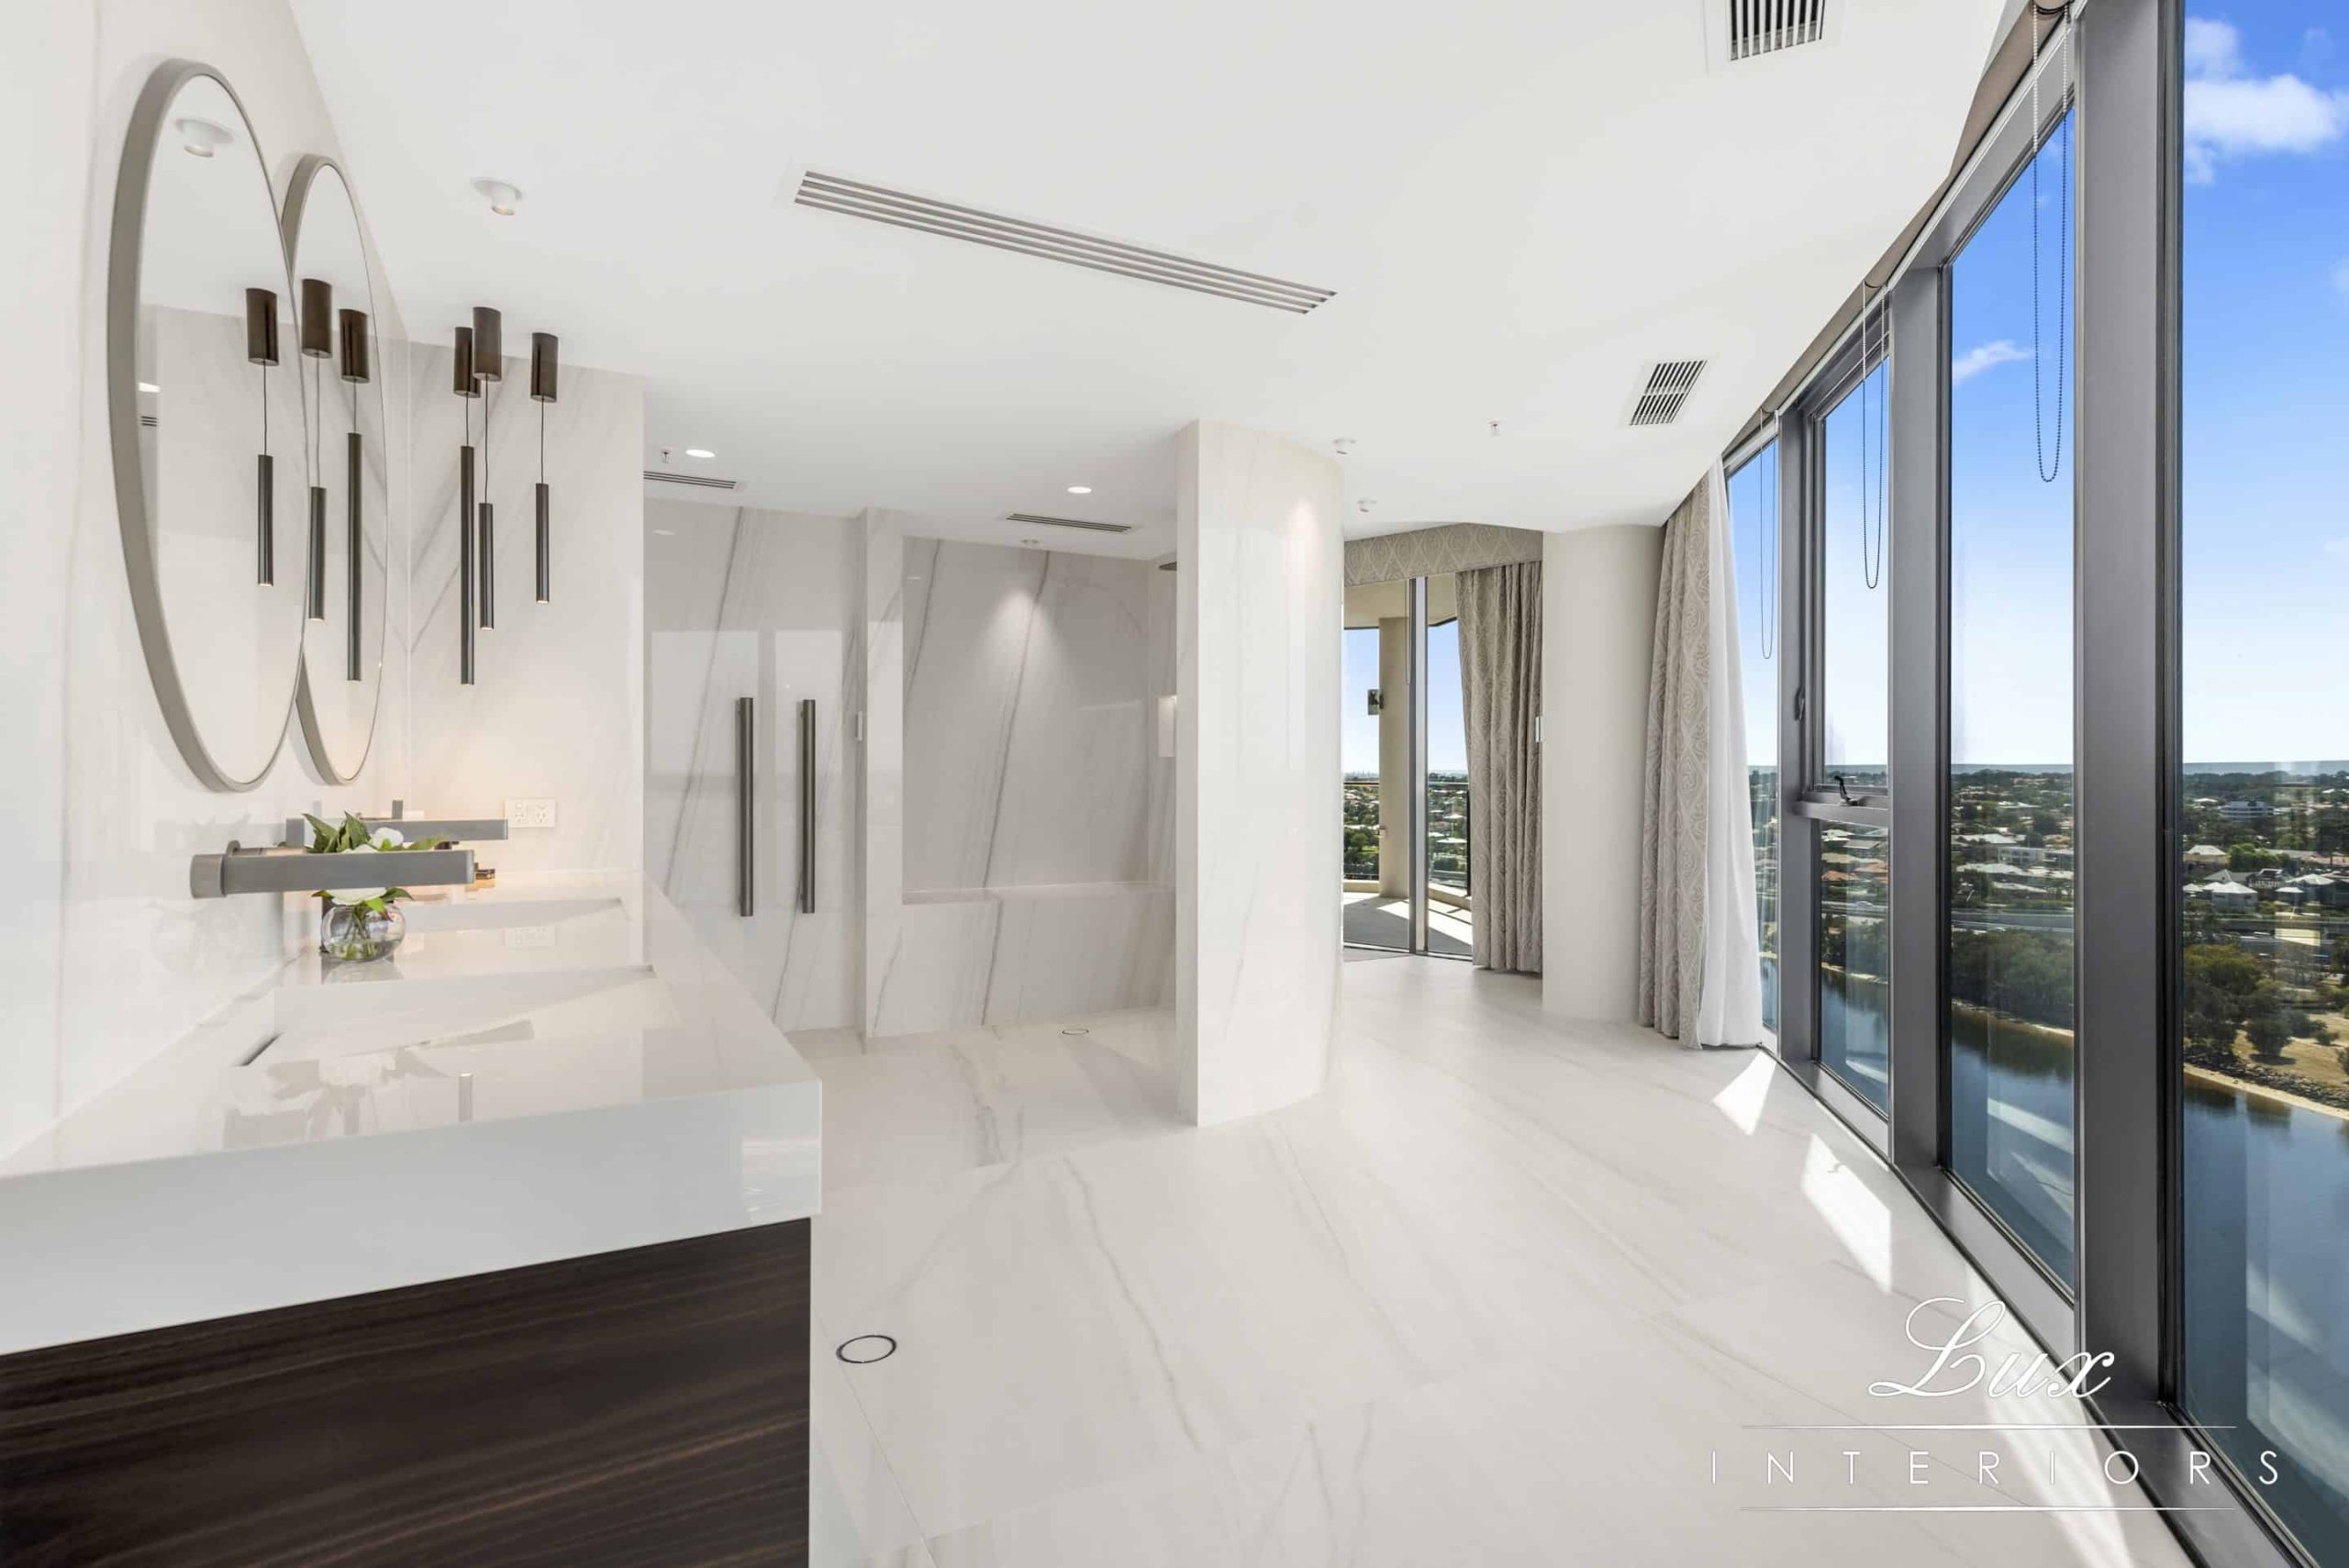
[(2128, 1096)]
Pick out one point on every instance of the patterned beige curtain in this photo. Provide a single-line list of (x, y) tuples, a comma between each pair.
[(1500, 689), (1672, 847)]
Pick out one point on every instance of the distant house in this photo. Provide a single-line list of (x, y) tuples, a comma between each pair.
[(2206, 857), (2329, 892), (2227, 898)]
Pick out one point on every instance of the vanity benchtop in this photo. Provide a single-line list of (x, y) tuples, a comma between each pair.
[(553, 1068)]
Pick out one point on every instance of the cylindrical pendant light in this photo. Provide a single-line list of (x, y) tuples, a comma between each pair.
[(354, 463), (261, 349), (465, 386), (352, 336), (314, 327), (355, 364), (316, 324), (315, 592), (489, 343), (543, 370)]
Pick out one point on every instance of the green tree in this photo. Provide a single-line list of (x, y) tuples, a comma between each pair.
[(2222, 984)]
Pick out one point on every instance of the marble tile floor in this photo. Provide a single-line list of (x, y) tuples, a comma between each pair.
[(1507, 1292)]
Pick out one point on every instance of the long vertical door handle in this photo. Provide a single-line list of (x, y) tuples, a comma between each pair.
[(807, 806), (746, 785)]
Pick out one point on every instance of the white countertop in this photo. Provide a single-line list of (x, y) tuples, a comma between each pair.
[(549, 1069)]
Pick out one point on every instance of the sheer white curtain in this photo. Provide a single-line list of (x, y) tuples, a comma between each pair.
[(1701, 964), (1729, 1008)]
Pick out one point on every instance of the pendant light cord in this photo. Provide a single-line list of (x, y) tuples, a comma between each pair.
[(2051, 462), (1875, 510)]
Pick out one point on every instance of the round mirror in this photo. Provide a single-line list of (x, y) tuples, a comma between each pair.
[(207, 425), (350, 505)]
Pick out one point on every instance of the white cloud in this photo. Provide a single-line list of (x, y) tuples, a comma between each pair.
[(2229, 114), (2212, 48), (1974, 361)]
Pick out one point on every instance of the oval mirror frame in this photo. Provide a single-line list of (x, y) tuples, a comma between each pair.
[(125, 271), (315, 740)]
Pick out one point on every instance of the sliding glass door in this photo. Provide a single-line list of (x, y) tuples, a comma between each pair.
[(1407, 821)]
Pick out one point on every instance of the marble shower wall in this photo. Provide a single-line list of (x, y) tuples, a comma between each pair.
[(1020, 809), (763, 605), (1031, 718)]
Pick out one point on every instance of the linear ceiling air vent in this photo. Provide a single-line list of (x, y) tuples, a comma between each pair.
[(857, 199), (1765, 27), (1667, 388), (1031, 519), (662, 476)]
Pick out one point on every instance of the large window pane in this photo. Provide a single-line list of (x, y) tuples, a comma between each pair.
[(1754, 539), (2009, 1006), (1450, 898), (1374, 747), (1854, 664), (2264, 576), (1854, 958)]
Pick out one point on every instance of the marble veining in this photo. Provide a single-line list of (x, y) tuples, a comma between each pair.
[(1030, 716), (1499, 1295), (740, 602)]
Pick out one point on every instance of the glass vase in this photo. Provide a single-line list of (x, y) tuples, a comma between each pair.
[(353, 933)]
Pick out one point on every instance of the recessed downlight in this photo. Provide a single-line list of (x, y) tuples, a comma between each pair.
[(501, 198), (201, 137), (1080, 490), (699, 451)]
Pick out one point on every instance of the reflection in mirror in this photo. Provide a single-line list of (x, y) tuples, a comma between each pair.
[(350, 506), (208, 430)]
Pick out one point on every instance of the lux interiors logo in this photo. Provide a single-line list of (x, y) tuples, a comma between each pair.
[(2048, 1455)]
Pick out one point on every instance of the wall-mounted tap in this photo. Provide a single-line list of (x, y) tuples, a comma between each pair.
[(240, 869)]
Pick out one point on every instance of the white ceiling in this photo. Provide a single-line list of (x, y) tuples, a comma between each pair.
[(1519, 205)]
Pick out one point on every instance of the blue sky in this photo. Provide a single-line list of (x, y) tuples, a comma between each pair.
[(1447, 734), (2266, 449)]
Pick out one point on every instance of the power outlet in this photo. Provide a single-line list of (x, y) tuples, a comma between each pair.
[(534, 811)]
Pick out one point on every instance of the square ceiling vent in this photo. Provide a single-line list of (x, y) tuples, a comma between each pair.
[(1741, 30)]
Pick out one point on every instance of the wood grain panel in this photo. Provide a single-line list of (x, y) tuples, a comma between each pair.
[(638, 1408)]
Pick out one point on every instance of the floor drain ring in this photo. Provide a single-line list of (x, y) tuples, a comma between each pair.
[(888, 1347)]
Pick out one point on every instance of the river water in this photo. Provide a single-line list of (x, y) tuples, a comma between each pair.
[(2265, 1232)]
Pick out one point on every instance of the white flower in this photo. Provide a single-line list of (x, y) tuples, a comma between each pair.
[(386, 838)]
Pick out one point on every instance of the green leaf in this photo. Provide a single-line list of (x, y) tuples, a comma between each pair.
[(322, 837)]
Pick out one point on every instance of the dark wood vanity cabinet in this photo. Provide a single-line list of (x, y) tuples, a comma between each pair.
[(640, 1408)]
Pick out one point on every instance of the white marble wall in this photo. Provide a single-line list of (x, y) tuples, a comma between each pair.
[(1262, 606), (763, 605), (1010, 955), (881, 775), (104, 957), (1031, 728), (557, 709), (1024, 871)]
